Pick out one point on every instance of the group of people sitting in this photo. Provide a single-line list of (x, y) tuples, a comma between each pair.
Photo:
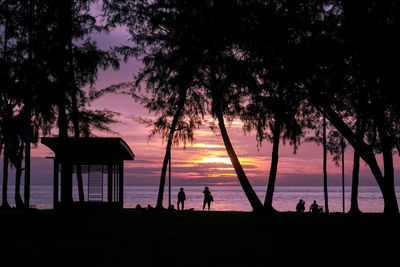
[(314, 207)]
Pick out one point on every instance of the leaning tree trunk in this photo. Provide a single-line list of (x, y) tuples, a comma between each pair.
[(160, 197), (244, 182), (4, 203), (18, 174), (178, 113), (324, 164), (274, 166)]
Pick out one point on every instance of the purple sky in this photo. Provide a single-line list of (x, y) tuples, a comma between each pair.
[(205, 162)]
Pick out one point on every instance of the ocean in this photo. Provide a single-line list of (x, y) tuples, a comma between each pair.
[(229, 198)]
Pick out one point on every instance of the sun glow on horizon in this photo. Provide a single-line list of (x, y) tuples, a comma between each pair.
[(202, 145), (224, 160)]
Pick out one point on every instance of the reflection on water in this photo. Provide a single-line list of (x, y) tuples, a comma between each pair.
[(229, 197)]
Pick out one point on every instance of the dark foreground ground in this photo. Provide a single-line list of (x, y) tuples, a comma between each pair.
[(132, 238)]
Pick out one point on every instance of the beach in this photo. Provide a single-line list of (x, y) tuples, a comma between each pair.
[(194, 238)]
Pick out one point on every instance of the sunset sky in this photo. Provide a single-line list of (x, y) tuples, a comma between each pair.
[(206, 161)]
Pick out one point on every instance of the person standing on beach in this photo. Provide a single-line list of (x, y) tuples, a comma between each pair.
[(207, 197), (181, 198)]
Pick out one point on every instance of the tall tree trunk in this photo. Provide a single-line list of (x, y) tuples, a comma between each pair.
[(388, 190), (244, 182), (389, 194), (5, 139), (324, 164), (27, 182), (4, 203), (18, 173), (343, 145), (274, 165), (178, 113), (78, 167), (66, 168), (354, 208), (354, 185), (75, 121)]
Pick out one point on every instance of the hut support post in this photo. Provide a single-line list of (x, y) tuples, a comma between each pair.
[(121, 184), (55, 184), (109, 182)]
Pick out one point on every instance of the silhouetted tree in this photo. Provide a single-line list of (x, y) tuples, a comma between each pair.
[(15, 155), (274, 102), (10, 93), (160, 34), (76, 62), (357, 48), (185, 32), (221, 74), (329, 54), (325, 171)]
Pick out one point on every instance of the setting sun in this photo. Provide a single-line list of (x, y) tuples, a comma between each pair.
[(225, 160)]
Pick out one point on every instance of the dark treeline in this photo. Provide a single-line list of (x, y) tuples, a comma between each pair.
[(284, 68), (47, 57)]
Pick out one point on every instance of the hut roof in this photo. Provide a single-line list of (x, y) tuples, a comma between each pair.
[(90, 150)]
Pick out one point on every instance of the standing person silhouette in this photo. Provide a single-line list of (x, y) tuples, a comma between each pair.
[(181, 198), (207, 197)]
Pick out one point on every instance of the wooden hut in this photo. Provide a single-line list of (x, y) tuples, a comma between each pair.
[(100, 163)]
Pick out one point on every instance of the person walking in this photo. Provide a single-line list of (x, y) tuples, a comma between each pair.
[(207, 198), (181, 198)]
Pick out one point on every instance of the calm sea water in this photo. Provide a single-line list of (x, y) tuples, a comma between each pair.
[(230, 198)]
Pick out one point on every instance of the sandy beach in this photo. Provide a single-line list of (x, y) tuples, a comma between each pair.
[(143, 238)]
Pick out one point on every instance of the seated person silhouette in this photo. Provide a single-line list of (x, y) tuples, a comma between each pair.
[(314, 208), (300, 207), (181, 198)]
